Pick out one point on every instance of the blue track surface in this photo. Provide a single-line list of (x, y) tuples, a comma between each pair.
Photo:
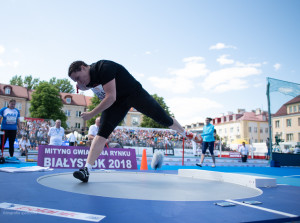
[(22, 188)]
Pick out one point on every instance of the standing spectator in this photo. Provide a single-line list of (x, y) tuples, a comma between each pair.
[(24, 145), (93, 130), (208, 142), (10, 122), (244, 152), (56, 134), (72, 139)]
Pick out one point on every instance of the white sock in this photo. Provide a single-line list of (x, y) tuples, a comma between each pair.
[(89, 166)]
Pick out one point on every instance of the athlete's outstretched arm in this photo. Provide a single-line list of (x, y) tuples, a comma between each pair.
[(110, 98)]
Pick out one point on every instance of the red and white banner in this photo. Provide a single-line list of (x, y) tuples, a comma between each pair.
[(52, 212)]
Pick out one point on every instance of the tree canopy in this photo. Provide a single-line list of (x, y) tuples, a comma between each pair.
[(95, 101), (63, 85), (149, 122), (47, 104)]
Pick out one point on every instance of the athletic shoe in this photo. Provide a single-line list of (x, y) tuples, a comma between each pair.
[(196, 138), (82, 174), (213, 165), (199, 164)]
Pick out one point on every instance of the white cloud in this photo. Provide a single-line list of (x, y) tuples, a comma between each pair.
[(187, 109), (1, 63), (10, 64), (193, 68), (257, 85), (2, 49), (16, 50), (220, 46), (147, 52), (175, 85), (229, 78), (138, 76), (239, 64), (224, 60), (277, 66), (181, 79)]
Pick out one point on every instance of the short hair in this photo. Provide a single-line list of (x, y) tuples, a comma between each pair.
[(76, 66), (12, 100), (209, 119)]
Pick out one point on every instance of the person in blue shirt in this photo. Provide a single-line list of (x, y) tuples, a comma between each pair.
[(208, 141), (10, 122)]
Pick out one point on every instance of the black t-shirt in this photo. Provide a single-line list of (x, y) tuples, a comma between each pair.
[(104, 71)]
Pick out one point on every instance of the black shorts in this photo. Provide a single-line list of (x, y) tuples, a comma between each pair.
[(209, 145), (142, 101)]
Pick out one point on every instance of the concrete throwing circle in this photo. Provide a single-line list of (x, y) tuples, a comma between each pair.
[(148, 186)]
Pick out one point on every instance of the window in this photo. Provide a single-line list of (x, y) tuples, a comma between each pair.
[(249, 129), (78, 113), (225, 130), (19, 106), (68, 124), (277, 125), (261, 140), (295, 108), (299, 136), (134, 120), (288, 123), (77, 125), (6, 104), (291, 109), (266, 130), (238, 129), (298, 121), (255, 129), (68, 113), (231, 130), (7, 90), (220, 130), (289, 137), (260, 130), (68, 100)]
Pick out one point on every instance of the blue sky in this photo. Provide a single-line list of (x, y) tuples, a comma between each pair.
[(203, 57)]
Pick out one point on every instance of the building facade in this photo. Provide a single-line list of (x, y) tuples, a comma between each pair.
[(286, 122), (249, 126), (73, 106)]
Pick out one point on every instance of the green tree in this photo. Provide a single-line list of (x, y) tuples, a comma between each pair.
[(95, 101), (31, 82), (63, 85), (46, 103), (16, 80), (149, 122)]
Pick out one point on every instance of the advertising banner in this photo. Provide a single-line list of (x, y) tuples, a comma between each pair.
[(234, 155), (74, 157)]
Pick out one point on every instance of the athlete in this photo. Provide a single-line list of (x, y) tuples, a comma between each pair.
[(10, 122), (208, 142), (118, 91)]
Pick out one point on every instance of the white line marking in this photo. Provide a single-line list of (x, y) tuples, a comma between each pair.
[(264, 209), (52, 212), (292, 176)]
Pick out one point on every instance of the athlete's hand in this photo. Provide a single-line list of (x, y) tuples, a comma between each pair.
[(86, 115)]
